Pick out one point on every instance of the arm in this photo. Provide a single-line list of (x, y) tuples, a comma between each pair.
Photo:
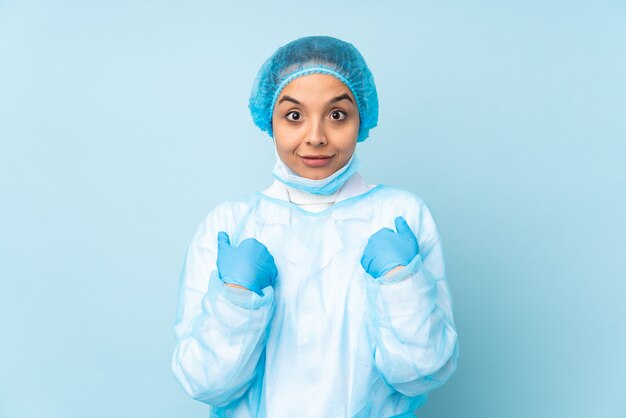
[(413, 327), (220, 330)]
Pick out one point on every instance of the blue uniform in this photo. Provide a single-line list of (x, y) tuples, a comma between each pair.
[(327, 340)]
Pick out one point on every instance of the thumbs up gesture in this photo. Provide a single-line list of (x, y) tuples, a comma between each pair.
[(387, 249), (249, 265)]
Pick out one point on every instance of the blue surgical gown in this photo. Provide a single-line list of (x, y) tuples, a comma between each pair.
[(327, 340)]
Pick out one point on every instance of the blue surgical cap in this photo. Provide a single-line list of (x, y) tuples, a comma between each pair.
[(309, 55)]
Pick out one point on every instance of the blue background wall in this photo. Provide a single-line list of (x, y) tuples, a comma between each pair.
[(123, 123)]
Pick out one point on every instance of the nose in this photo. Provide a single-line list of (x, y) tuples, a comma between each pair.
[(316, 135)]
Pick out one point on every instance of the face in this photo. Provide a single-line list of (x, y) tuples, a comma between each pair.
[(315, 124)]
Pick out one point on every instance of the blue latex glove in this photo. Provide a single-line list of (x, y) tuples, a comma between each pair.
[(249, 265), (387, 249)]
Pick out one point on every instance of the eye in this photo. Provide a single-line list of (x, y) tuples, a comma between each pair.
[(293, 116), (338, 115)]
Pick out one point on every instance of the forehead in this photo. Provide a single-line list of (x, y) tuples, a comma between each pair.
[(315, 86)]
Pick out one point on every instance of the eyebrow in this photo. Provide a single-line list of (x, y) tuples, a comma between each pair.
[(344, 96)]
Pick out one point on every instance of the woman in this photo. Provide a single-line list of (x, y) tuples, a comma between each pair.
[(301, 300)]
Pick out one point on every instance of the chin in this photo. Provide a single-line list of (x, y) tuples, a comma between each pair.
[(311, 176), (314, 175)]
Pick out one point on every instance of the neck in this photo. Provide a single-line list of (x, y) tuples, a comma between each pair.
[(310, 201)]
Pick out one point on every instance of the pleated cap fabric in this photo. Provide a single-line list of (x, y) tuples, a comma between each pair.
[(310, 55)]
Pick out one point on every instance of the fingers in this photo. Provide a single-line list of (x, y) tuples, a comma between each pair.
[(382, 232), (273, 271), (250, 245), (223, 240), (256, 250), (402, 226), (366, 260)]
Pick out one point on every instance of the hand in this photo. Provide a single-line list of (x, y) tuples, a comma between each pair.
[(250, 265), (387, 249)]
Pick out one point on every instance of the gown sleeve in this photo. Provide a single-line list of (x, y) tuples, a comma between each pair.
[(415, 339), (220, 330)]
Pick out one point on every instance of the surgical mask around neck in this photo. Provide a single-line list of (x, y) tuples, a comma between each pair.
[(325, 186)]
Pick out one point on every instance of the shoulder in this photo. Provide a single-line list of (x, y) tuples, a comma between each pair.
[(225, 215), (395, 201), (391, 195), (234, 207)]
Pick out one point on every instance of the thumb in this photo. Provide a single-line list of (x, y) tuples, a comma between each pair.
[(223, 240), (402, 226)]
